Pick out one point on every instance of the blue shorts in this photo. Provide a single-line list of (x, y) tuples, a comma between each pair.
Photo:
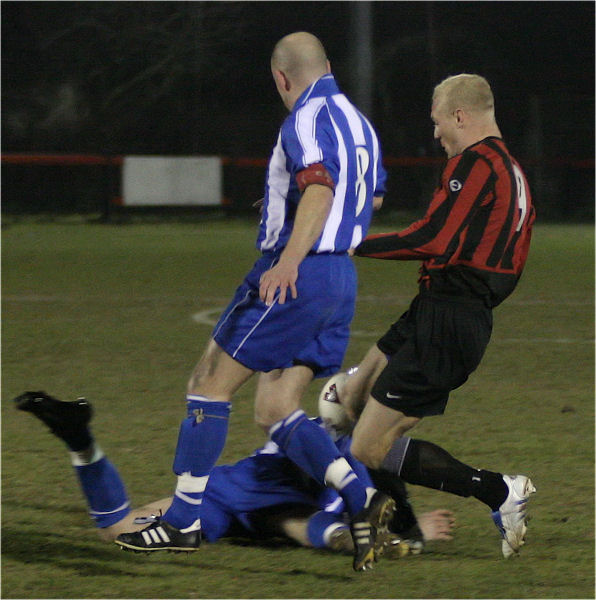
[(311, 330)]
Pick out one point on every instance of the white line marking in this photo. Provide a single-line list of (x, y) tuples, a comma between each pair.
[(392, 299), (207, 317), (495, 340), (210, 316)]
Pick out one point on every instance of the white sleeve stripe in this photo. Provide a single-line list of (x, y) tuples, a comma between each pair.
[(352, 117), (375, 154), (305, 127), (278, 180), (334, 219), (375, 143)]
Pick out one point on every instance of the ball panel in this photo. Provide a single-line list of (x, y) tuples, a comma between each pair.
[(330, 409)]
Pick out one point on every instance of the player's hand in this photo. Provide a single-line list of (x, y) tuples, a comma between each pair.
[(281, 277), (437, 525)]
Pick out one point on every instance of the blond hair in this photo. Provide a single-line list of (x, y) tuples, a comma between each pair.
[(466, 91)]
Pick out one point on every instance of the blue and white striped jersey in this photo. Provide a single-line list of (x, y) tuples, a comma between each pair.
[(323, 127)]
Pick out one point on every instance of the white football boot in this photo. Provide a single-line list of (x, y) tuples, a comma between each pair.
[(511, 517)]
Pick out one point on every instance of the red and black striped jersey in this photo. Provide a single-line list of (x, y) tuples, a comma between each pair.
[(475, 235)]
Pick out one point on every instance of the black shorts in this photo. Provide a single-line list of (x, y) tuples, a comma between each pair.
[(432, 349)]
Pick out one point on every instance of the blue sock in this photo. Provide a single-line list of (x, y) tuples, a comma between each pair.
[(103, 488), (344, 445), (321, 525), (201, 439), (308, 445)]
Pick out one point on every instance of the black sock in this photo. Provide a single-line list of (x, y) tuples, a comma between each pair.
[(429, 465), (404, 518)]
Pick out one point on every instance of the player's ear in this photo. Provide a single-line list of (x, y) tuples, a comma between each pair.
[(286, 80), (459, 115), (328, 66), (282, 81)]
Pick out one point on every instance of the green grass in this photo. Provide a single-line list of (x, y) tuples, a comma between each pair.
[(106, 311)]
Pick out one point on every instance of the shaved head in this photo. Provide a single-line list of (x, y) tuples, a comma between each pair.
[(301, 56)]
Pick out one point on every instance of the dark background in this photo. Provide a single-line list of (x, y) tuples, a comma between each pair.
[(193, 78)]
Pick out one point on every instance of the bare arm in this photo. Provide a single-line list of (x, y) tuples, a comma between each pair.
[(311, 216)]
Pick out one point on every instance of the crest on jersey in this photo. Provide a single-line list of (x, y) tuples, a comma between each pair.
[(455, 185)]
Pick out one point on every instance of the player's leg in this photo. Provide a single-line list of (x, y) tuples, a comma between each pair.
[(305, 337), (201, 439), (231, 357), (354, 390), (279, 393), (277, 408), (241, 345), (203, 433), (284, 520), (416, 383), (464, 329), (136, 519), (310, 447), (329, 530), (376, 431), (304, 525), (424, 463), (100, 481)]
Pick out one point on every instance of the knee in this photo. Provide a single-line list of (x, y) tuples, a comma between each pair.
[(194, 383), (370, 455), (267, 414), (204, 368), (203, 383), (263, 420), (272, 404), (195, 379)]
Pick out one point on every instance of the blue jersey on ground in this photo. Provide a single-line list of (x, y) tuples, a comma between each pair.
[(265, 479), (323, 127)]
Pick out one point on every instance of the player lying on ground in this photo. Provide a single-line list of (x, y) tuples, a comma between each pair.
[(263, 495)]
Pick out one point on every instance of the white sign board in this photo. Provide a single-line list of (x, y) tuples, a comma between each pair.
[(171, 181)]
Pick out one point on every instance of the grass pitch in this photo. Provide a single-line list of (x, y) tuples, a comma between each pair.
[(120, 313)]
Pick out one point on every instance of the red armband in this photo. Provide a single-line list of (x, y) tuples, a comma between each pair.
[(316, 173)]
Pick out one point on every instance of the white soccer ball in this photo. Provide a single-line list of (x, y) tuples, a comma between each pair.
[(330, 409)]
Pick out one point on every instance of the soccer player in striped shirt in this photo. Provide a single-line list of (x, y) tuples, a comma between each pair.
[(289, 319), (473, 242)]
